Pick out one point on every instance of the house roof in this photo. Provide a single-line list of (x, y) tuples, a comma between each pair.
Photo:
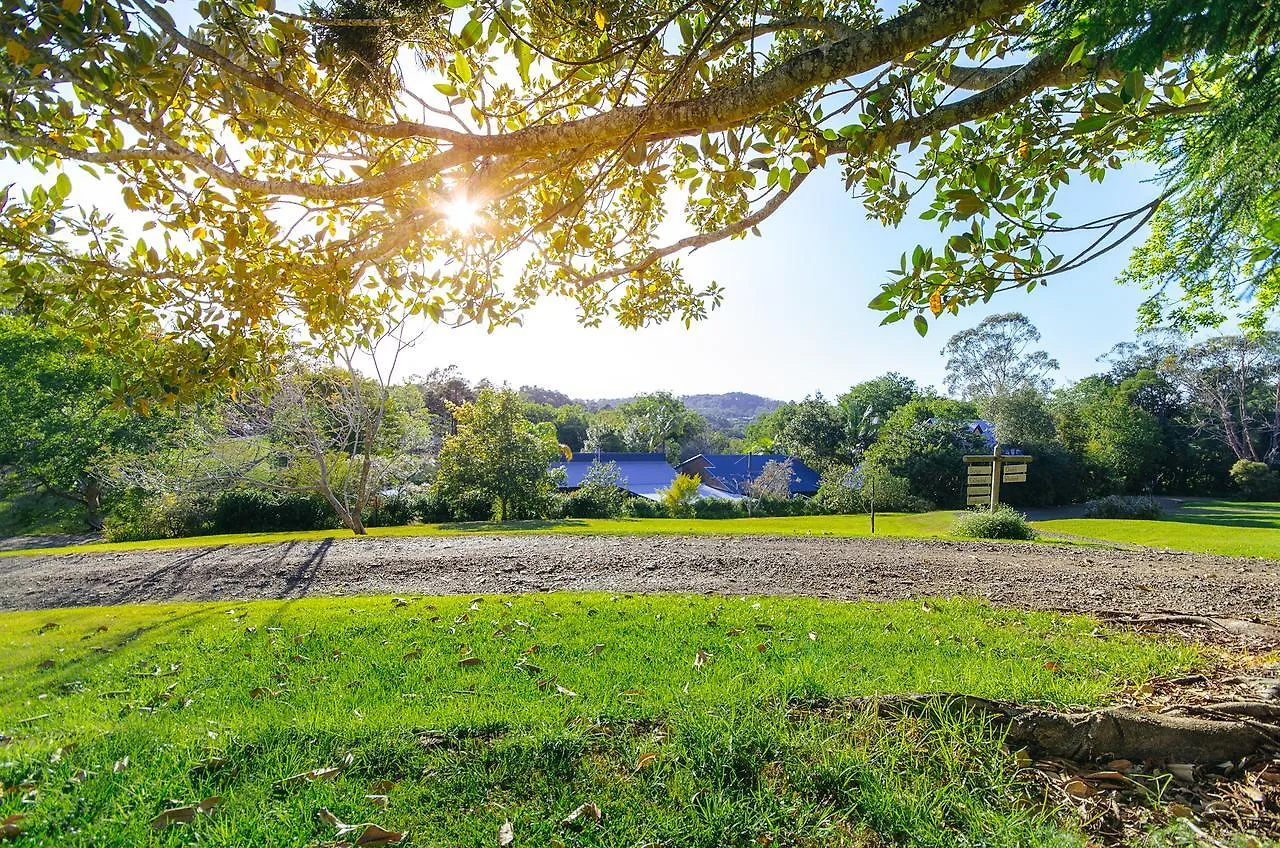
[(643, 474), (735, 471)]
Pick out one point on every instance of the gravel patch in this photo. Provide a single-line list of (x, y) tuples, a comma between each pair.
[(1024, 575)]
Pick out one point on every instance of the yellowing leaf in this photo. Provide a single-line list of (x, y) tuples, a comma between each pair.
[(17, 52), (646, 759), (601, 20)]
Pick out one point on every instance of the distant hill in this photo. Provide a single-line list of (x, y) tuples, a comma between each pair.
[(729, 411)]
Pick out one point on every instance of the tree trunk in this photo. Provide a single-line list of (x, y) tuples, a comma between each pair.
[(93, 503)]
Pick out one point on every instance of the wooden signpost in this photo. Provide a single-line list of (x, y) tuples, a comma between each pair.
[(986, 473)]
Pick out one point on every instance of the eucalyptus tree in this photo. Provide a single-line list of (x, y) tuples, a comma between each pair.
[(309, 173)]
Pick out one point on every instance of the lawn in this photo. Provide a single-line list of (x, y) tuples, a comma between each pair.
[(682, 718), (1230, 528), (911, 525)]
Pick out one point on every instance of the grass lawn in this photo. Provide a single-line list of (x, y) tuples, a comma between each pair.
[(1231, 528), (668, 712), (914, 525)]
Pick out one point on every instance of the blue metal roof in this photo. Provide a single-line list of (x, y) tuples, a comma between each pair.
[(645, 474), (736, 471)]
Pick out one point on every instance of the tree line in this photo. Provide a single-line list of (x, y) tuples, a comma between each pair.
[(325, 443)]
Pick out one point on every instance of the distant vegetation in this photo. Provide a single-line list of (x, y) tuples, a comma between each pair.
[(324, 445)]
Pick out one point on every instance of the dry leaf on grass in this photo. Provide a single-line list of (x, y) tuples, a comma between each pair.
[(120, 765), (379, 801), (11, 826), (185, 815), (587, 813), (468, 662), (370, 833), (506, 835), (313, 776), (645, 759), (701, 658)]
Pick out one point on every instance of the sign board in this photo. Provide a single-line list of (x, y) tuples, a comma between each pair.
[(985, 474)]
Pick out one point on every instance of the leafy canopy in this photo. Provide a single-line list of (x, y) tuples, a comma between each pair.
[(313, 174)]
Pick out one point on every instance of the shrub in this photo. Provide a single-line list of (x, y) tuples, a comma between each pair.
[(599, 496), (138, 515), (1119, 506), (430, 507), (260, 510), (1004, 522), (846, 490), (680, 497), (718, 508), (1257, 480), (643, 508)]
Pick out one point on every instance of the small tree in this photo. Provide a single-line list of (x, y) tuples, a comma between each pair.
[(498, 453), (773, 483), (680, 497), (600, 495)]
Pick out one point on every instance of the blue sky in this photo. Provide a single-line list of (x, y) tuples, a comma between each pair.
[(795, 319)]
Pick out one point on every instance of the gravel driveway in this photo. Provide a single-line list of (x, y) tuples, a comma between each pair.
[(1039, 576)]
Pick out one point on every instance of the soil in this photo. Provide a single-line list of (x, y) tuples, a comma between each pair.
[(1022, 575)]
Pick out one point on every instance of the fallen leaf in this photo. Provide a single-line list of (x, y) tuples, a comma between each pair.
[(185, 815), (313, 776), (1052, 666), (45, 665), (701, 658), (374, 835), (382, 787), (506, 835), (1079, 789), (413, 655), (11, 826), (379, 801), (588, 812), (120, 765), (1179, 811), (468, 662), (813, 637), (400, 602), (595, 650), (737, 631), (330, 819), (1182, 771), (762, 647), (646, 759), (263, 692), (568, 693)]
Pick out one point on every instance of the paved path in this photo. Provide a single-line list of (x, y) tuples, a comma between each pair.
[(1038, 576)]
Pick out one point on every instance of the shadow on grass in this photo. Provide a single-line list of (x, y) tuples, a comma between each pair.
[(1265, 516), (514, 526)]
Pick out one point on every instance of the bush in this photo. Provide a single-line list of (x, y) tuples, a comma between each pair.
[(1257, 481), (644, 508), (1119, 506), (718, 508), (845, 491), (138, 516), (260, 510), (1003, 523), (679, 499)]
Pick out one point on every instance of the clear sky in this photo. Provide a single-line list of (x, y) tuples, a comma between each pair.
[(795, 319)]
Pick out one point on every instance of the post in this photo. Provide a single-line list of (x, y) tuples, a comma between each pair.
[(873, 505), (995, 478)]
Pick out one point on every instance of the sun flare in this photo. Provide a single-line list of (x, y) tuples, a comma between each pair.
[(461, 214)]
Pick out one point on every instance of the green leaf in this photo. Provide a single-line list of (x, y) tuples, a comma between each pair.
[(471, 33), (455, 4), (884, 301), (922, 326), (1090, 124), (801, 166), (462, 67), (1077, 53)]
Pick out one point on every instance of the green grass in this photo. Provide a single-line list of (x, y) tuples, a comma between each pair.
[(1229, 528), (40, 515), (911, 525), (358, 683)]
